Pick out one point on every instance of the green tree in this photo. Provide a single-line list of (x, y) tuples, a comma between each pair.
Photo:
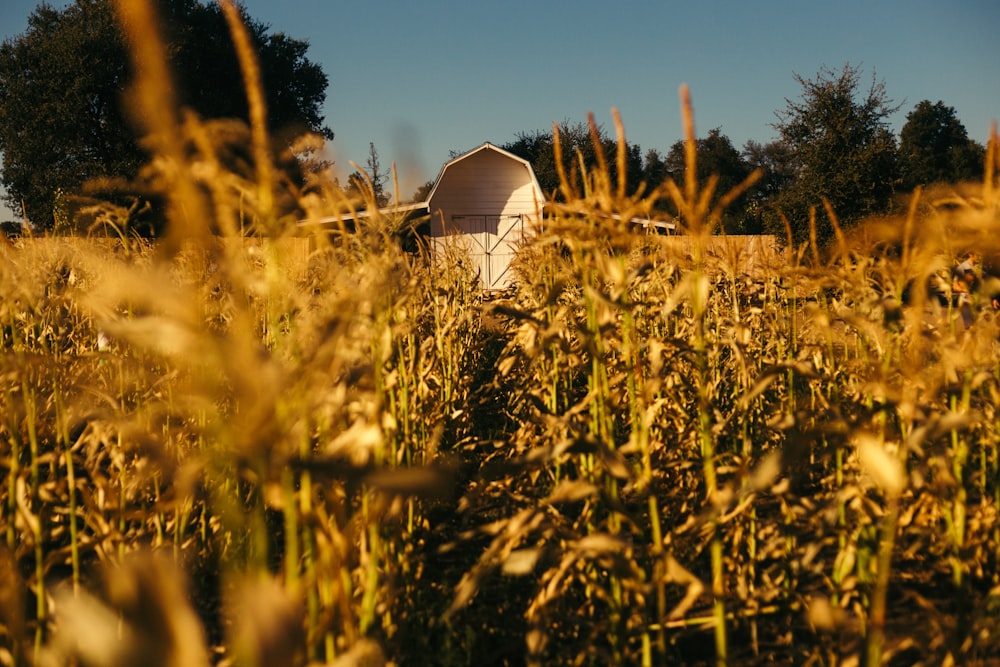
[(654, 168), (773, 159), (371, 184), (422, 192), (63, 84), (775, 162), (536, 148), (841, 150), (576, 142), (717, 157), (934, 147)]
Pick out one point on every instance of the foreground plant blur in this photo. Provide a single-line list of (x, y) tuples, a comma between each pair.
[(327, 450)]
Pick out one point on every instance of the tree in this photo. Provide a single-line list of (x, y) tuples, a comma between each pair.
[(371, 184), (536, 147), (575, 140), (654, 168), (422, 192), (63, 82), (716, 157), (841, 150), (935, 148), (773, 159)]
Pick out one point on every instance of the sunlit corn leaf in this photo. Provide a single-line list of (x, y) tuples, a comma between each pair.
[(520, 562), (675, 573), (509, 533), (954, 421), (505, 310), (766, 472), (364, 653), (612, 459), (356, 444), (823, 615), (571, 490), (844, 563), (267, 623), (151, 593), (89, 631), (599, 543), (163, 335), (884, 468), (146, 619), (26, 520)]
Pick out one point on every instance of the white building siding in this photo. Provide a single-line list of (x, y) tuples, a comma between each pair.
[(486, 201)]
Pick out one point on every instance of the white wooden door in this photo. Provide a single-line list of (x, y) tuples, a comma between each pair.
[(491, 241)]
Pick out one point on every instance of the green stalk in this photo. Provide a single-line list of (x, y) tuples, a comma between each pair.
[(369, 597), (71, 490), (718, 604), (707, 444), (312, 593), (838, 574), (633, 370), (305, 511), (960, 455), (659, 571), (121, 506), (600, 417), (159, 518), (291, 529), (30, 419), (752, 575), (875, 633), (13, 476)]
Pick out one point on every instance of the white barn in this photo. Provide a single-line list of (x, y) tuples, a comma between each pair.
[(487, 200)]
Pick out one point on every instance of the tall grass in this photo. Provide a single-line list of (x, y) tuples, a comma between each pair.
[(317, 448)]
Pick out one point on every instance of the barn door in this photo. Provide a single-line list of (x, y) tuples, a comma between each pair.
[(491, 241), (502, 245)]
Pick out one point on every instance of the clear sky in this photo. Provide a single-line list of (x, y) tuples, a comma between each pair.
[(422, 79)]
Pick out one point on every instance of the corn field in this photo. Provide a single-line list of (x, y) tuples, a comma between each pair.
[(226, 452)]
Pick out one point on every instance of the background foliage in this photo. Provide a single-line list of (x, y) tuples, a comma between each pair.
[(63, 87)]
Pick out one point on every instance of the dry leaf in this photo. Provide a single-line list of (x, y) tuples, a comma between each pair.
[(884, 469)]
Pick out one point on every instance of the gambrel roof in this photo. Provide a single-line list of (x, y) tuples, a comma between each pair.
[(472, 155)]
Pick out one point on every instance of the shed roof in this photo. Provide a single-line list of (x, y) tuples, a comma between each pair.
[(486, 146)]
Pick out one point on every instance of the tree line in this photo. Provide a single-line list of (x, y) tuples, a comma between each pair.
[(65, 130), (834, 145)]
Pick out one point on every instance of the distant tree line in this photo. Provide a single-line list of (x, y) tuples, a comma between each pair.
[(834, 145)]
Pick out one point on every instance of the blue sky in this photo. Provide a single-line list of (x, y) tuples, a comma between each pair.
[(421, 79)]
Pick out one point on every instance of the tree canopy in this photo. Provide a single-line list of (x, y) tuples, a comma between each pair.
[(774, 161), (370, 184), (719, 158), (577, 146), (841, 150), (63, 83), (934, 147)]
